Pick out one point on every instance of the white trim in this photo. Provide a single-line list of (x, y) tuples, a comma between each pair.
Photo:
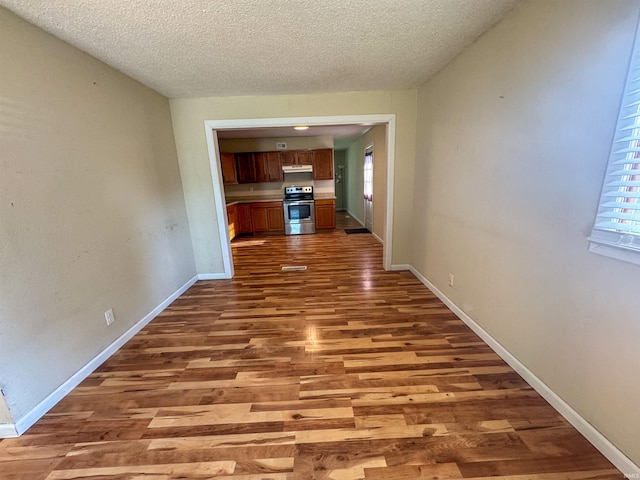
[(387, 251), (8, 430), (218, 194), (608, 449), (216, 173), (31, 417), (623, 254), (397, 268), (212, 276), (380, 241), (354, 217)]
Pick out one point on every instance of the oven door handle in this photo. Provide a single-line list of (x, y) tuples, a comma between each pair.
[(297, 202)]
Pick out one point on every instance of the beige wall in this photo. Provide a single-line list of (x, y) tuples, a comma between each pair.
[(91, 207), (5, 414), (513, 142), (355, 177), (188, 122)]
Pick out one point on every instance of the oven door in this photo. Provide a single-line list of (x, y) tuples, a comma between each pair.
[(299, 217)]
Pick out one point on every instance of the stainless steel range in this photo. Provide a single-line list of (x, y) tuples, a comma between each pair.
[(299, 216)]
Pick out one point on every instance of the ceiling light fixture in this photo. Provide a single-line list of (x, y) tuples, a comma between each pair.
[(301, 127)]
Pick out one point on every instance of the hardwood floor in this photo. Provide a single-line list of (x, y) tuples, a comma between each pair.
[(345, 220), (340, 371)]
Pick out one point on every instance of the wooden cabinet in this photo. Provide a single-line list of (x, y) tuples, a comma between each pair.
[(323, 164), (243, 218), (325, 211), (257, 167), (267, 217), (268, 167), (289, 158), (274, 166), (231, 218), (229, 172), (239, 219), (297, 157), (304, 157), (245, 167), (255, 217)]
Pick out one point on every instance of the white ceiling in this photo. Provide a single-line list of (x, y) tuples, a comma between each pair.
[(196, 48)]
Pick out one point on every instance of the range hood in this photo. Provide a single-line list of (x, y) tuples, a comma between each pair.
[(297, 168)]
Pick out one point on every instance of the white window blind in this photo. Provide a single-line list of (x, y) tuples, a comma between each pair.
[(617, 222)]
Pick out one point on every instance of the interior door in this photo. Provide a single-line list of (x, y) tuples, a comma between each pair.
[(368, 188)]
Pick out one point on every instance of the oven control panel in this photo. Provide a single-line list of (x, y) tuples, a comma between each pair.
[(292, 189)]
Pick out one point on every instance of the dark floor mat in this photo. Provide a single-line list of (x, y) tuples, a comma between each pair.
[(356, 230)]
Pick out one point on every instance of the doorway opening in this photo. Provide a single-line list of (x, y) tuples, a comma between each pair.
[(212, 127)]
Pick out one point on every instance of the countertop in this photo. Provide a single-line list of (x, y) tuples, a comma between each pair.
[(271, 198), (253, 199)]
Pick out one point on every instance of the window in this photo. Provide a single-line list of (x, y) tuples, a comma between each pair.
[(368, 174), (616, 231)]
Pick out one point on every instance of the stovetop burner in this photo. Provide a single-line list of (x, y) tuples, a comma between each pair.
[(298, 193)]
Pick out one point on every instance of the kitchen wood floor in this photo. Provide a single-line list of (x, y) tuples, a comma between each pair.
[(342, 371)]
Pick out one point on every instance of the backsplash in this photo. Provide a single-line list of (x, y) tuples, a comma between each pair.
[(320, 187)]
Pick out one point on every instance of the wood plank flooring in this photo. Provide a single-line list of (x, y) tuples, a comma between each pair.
[(342, 371)]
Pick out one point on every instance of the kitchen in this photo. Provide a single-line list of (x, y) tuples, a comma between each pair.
[(278, 185)]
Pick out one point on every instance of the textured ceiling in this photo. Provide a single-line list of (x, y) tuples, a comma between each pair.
[(196, 48)]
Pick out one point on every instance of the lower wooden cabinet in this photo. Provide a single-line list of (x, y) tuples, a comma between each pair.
[(325, 214), (239, 217), (231, 218), (267, 217), (243, 218)]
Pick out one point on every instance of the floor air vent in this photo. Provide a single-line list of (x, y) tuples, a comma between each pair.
[(293, 268)]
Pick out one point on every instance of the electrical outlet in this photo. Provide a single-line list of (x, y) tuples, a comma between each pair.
[(451, 279), (109, 317)]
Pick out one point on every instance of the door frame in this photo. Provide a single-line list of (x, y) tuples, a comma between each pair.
[(211, 132)]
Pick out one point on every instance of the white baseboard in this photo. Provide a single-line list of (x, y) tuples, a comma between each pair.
[(31, 417), (355, 218), (608, 449), (8, 430), (380, 241), (398, 268), (212, 276)]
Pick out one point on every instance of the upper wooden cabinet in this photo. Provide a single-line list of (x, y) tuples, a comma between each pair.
[(268, 167), (246, 167), (322, 164), (229, 172), (297, 157), (256, 167)]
